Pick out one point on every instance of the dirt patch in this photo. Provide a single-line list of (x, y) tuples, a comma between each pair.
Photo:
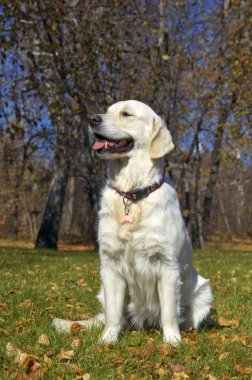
[(75, 247), (61, 246), (232, 243)]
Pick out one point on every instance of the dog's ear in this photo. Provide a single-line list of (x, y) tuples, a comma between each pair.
[(161, 142)]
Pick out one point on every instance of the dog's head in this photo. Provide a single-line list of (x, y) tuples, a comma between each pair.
[(128, 126)]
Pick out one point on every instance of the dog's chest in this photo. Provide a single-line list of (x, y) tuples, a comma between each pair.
[(133, 257), (128, 245)]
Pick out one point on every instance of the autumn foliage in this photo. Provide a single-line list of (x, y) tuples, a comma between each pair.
[(60, 61)]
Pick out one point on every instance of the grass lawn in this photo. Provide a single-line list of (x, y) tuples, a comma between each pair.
[(37, 286)]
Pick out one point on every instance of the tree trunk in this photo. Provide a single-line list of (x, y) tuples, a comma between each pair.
[(48, 232), (69, 210), (198, 211), (215, 163), (187, 204), (223, 213)]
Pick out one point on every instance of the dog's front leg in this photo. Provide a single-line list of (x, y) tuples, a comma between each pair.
[(168, 291), (114, 291)]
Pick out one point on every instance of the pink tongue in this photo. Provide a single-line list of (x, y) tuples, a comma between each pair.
[(101, 144)]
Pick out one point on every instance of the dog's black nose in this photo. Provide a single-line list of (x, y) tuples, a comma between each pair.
[(94, 120)]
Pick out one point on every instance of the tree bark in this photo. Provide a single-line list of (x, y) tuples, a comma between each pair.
[(199, 228), (225, 219), (69, 210), (48, 232), (215, 163)]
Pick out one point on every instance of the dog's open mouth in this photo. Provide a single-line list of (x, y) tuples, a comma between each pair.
[(105, 145)]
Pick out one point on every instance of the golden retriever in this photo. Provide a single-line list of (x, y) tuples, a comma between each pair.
[(148, 280)]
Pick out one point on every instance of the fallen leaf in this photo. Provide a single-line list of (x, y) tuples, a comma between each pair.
[(35, 374), (246, 341), (163, 348), (223, 356), (149, 349), (227, 312), (133, 376), (177, 367), (81, 282), (76, 369), (70, 306), (235, 322), (3, 308), (239, 368), (86, 376), (75, 342), (75, 327), (43, 340), (54, 286), (29, 362), (161, 371), (31, 272), (20, 357), (191, 338), (235, 338), (47, 361), (27, 303), (180, 376), (211, 377), (65, 355), (23, 321)]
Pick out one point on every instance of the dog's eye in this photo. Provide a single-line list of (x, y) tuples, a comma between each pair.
[(125, 114)]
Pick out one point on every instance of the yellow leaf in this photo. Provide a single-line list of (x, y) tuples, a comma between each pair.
[(65, 355), (86, 376), (81, 282), (180, 376), (43, 340), (47, 361), (161, 371), (235, 322), (223, 356), (133, 376), (246, 341), (165, 57), (211, 377), (239, 368)]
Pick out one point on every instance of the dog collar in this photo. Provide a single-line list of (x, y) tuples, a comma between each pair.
[(139, 194)]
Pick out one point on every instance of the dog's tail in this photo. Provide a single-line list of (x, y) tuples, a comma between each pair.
[(65, 326), (201, 300)]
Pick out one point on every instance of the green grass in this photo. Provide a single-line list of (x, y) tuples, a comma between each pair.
[(37, 286)]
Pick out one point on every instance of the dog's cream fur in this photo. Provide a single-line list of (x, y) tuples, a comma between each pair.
[(146, 266)]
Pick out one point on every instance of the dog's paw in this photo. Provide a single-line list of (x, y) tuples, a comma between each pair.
[(109, 335), (61, 325), (172, 337)]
